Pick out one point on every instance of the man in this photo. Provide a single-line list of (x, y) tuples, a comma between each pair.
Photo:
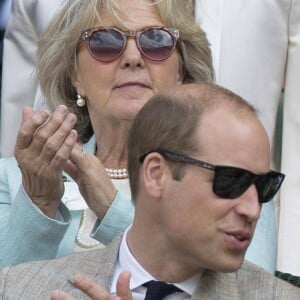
[(199, 173), (256, 51)]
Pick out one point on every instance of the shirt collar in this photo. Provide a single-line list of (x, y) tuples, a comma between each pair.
[(126, 261)]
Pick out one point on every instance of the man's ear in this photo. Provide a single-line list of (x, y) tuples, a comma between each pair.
[(154, 172)]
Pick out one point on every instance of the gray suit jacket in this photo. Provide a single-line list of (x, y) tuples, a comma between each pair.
[(36, 280)]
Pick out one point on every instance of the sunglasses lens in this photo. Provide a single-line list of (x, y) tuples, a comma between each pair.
[(230, 182), (157, 44), (268, 185), (106, 44)]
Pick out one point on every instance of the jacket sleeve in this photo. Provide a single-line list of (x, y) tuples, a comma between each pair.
[(25, 232), (118, 217)]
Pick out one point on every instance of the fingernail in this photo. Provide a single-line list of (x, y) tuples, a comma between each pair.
[(71, 118), (45, 113), (73, 134), (62, 108), (78, 279)]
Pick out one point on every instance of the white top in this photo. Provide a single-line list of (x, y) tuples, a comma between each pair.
[(74, 201)]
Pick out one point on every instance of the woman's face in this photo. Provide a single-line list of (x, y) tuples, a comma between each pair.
[(117, 90)]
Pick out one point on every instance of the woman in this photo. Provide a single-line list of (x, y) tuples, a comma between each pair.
[(99, 63)]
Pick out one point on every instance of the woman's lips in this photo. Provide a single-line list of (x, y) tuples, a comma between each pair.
[(132, 84)]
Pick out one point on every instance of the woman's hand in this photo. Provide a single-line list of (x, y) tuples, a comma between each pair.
[(95, 291), (43, 146), (94, 184)]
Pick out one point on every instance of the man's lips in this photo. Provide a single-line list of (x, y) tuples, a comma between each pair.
[(238, 240), (240, 235)]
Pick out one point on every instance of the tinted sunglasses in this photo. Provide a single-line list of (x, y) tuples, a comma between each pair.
[(231, 182), (107, 43)]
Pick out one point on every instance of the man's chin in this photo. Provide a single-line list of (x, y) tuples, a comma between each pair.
[(231, 265)]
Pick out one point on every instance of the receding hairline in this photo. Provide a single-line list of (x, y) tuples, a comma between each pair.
[(207, 96)]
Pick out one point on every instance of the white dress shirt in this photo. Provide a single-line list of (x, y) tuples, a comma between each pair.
[(139, 276)]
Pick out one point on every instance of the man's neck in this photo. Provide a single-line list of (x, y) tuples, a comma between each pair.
[(150, 250), (139, 275)]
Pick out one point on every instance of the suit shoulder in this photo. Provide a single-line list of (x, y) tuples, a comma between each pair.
[(36, 280), (253, 276)]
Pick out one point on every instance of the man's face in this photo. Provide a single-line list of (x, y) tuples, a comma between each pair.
[(205, 230)]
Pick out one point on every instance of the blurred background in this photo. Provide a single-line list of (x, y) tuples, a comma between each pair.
[(4, 13)]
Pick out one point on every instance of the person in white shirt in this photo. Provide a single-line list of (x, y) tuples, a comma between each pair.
[(4, 13), (256, 53), (27, 20)]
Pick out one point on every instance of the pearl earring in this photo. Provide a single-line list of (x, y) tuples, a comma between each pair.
[(80, 101)]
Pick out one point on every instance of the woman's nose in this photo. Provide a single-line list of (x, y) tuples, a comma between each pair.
[(132, 57)]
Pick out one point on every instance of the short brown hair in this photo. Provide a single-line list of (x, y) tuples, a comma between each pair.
[(170, 119)]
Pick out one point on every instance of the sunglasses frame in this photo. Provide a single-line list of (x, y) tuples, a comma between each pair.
[(133, 34), (178, 157)]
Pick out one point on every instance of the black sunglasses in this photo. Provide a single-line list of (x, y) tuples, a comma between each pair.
[(107, 43), (231, 182)]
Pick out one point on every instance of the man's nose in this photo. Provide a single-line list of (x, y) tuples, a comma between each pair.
[(249, 205)]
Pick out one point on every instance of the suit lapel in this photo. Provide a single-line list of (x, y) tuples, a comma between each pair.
[(215, 286), (102, 265)]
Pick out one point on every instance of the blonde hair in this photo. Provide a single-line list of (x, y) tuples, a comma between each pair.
[(57, 48)]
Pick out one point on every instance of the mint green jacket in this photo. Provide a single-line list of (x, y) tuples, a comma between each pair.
[(26, 234)]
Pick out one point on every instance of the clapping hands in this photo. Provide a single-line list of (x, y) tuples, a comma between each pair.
[(43, 146)]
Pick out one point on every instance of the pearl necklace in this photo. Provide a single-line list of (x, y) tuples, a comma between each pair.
[(117, 173), (78, 239)]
